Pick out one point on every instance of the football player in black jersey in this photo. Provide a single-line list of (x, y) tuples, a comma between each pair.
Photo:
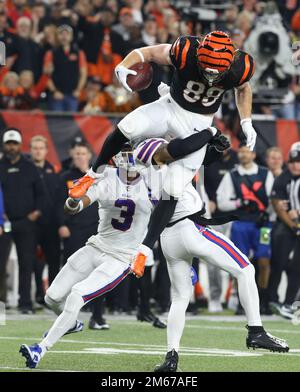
[(204, 70)]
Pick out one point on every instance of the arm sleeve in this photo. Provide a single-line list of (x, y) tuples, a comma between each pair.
[(179, 148), (94, 193), (159, 219), (178, 51), (111, 147), (226, 194), (246, 69), (279, 189)]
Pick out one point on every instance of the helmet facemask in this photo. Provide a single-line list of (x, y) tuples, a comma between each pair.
[(125, 161)]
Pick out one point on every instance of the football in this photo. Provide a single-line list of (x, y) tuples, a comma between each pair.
[(142, 79)]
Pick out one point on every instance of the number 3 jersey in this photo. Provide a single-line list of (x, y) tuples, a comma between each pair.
[(192, 91), (125, 209)]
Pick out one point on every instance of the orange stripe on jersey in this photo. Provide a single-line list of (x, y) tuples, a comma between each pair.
[(247, 69), (184, 53), (177, 48)]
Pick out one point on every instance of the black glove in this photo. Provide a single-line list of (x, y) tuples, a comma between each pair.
[(220, 142)]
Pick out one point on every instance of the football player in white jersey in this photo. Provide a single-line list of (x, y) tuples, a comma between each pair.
[(190, 237), (125, 206)]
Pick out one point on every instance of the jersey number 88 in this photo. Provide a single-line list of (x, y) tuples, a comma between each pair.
[(194, 92)]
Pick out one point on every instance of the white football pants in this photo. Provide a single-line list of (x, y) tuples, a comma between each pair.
[(185, 240), (89, 273)]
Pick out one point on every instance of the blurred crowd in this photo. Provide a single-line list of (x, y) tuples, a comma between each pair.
[(61, 54), (265, 195)]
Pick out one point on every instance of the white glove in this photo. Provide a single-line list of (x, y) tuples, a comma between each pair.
[(249, 132), (163, 89), (122, 73)]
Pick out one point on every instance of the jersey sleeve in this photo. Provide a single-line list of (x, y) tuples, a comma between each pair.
[(279, 190), (93, 193), (245, 68), (179, 52)]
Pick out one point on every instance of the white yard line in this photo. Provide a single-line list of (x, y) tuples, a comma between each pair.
[(149, 349)]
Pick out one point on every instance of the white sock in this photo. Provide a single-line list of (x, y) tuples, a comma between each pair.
[(64, 321), (176, 322), (248, 295)]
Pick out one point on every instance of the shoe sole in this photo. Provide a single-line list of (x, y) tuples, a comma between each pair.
[(277, 350), (69, 333), (24, 350)]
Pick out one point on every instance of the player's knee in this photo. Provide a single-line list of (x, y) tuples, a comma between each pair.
[(134, 124), (55, 305), (247, 272), (52, 296), (74, 302)]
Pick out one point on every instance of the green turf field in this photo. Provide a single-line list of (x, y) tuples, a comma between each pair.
[(209, 344)]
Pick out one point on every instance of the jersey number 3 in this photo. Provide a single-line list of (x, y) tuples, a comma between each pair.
[(194, 92), (127, 207)]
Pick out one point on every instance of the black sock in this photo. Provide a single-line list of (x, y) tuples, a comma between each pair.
[(160, 217), (256, 329), (112, 145)]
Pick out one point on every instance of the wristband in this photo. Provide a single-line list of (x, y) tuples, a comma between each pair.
[(139, 52), (246, 120), (78, 208)]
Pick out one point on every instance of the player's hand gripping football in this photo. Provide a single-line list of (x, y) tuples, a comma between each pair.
[(249, 132), (122, 73)]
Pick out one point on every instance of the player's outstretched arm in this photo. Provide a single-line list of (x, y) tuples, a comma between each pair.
[(243, 99), (74, 206), (179, 148)]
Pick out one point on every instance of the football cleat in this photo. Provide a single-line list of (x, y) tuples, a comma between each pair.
[(170, 364), (80, 186), (266, 341), (32, 354), (98, 325), (285, 311), (138, 265), (78, 327)]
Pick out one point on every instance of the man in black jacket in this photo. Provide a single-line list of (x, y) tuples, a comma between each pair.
[(75, 230), (23, 197), (48, 238)]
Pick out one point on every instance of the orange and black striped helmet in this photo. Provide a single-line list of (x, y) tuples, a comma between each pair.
[(215, 53)]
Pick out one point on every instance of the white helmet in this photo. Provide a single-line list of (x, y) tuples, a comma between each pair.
[(125, 159), (146, 149)]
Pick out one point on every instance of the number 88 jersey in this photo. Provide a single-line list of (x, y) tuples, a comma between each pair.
[(191, 90)]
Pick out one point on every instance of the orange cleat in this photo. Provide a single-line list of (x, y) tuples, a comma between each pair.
[(138, 265), (80, 186)]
